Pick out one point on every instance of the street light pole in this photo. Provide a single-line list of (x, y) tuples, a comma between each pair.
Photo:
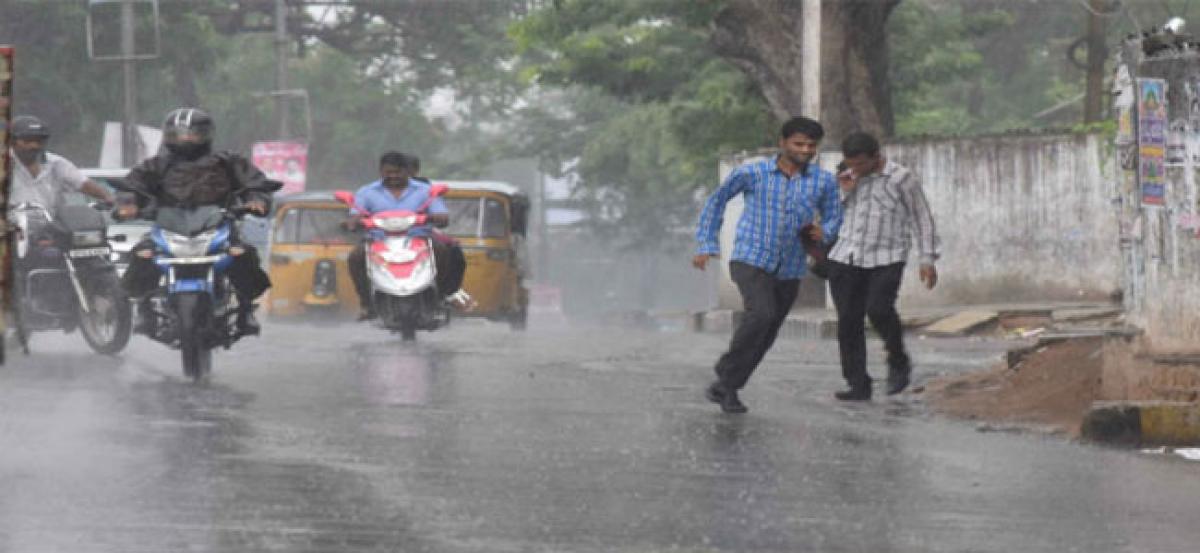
[(129, 138), (281, 55)]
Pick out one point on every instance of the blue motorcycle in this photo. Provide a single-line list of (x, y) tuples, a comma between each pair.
[(194, 306)]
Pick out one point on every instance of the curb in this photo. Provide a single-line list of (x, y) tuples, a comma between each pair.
[(1143, 423)]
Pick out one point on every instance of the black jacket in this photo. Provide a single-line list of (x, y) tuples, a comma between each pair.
[(215, 179)]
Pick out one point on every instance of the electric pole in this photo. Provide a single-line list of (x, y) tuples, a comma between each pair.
[(1093, 107), (129, 137), (281, 60)]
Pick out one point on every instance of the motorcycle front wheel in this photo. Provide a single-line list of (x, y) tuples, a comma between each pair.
[(194, 312), (107, 325)]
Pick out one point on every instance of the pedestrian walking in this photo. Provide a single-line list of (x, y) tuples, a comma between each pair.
[(885, 211), (781, 195)]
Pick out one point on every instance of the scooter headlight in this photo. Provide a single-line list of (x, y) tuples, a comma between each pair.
[(194, 246), (398, 256), (395, 224)]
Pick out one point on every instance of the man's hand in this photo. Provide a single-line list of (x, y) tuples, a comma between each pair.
[(257, 207), (699, 260), (439, 220), (814, 233), (352, 223), (846, 180), (126, 211), (929, 276)]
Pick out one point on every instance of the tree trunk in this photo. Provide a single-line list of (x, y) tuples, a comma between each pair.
[(763, 39)]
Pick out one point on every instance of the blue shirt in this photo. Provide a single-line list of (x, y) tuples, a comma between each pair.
[(776, 206), (375, 197)]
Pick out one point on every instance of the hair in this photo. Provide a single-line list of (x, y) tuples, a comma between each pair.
[(398, 159), (859, 143), (802, 125)]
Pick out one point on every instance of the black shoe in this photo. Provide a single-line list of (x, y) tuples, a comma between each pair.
[(861, 393), (897, 382), (727, 399), (367, 314), (247, 324)]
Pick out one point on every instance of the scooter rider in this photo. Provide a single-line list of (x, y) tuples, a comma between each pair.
[(396, 189), (187, 173), (40, 176)]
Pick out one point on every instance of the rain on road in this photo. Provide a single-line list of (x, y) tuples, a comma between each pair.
[(336, 438)]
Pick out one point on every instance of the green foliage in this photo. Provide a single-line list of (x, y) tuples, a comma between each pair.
[(656, 104)]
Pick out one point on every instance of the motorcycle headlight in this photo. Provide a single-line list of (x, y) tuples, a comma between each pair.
[(87, 238), (195, 246)]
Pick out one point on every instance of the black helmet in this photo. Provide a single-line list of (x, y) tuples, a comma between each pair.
[(28, 126), (187, 132)]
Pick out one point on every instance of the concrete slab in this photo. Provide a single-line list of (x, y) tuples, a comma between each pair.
[(1084, 314), (961, 322)]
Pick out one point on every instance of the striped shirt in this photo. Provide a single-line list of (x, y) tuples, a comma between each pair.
[(884, 212), (776, 206)]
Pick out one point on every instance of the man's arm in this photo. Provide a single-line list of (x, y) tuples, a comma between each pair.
[(831, 210), (437, 214), (252, 186), (713, 214), (920, 217), (91, 188), (73, 177)]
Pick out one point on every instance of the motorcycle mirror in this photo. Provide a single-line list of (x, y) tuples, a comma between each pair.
[(344, 196), (437, 190)]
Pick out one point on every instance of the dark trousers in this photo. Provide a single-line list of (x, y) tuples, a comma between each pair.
[(859, 292), (767, 300), (245, 273), (451, 266)]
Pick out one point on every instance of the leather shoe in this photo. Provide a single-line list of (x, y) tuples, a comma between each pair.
[(727, 399), (854, 394)]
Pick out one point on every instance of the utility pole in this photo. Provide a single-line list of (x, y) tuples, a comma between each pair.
[(810, 38), (281, 60), (543, 234), (1093, 107), (129, 137)]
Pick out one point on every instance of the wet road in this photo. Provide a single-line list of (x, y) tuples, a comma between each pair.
[(320, 438)]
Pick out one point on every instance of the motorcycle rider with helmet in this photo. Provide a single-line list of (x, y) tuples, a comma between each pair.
[(188, 173)]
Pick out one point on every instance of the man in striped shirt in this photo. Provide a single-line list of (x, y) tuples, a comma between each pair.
[(885, 210), (781, 195)]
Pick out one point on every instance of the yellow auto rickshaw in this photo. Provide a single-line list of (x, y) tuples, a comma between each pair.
[(488, 218), (307, 257)]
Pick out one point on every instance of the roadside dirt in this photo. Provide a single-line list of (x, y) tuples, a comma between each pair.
[(1050, 387)]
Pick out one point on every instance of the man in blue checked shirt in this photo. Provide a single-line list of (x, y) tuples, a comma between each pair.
[(398, 188), (781, 195)]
